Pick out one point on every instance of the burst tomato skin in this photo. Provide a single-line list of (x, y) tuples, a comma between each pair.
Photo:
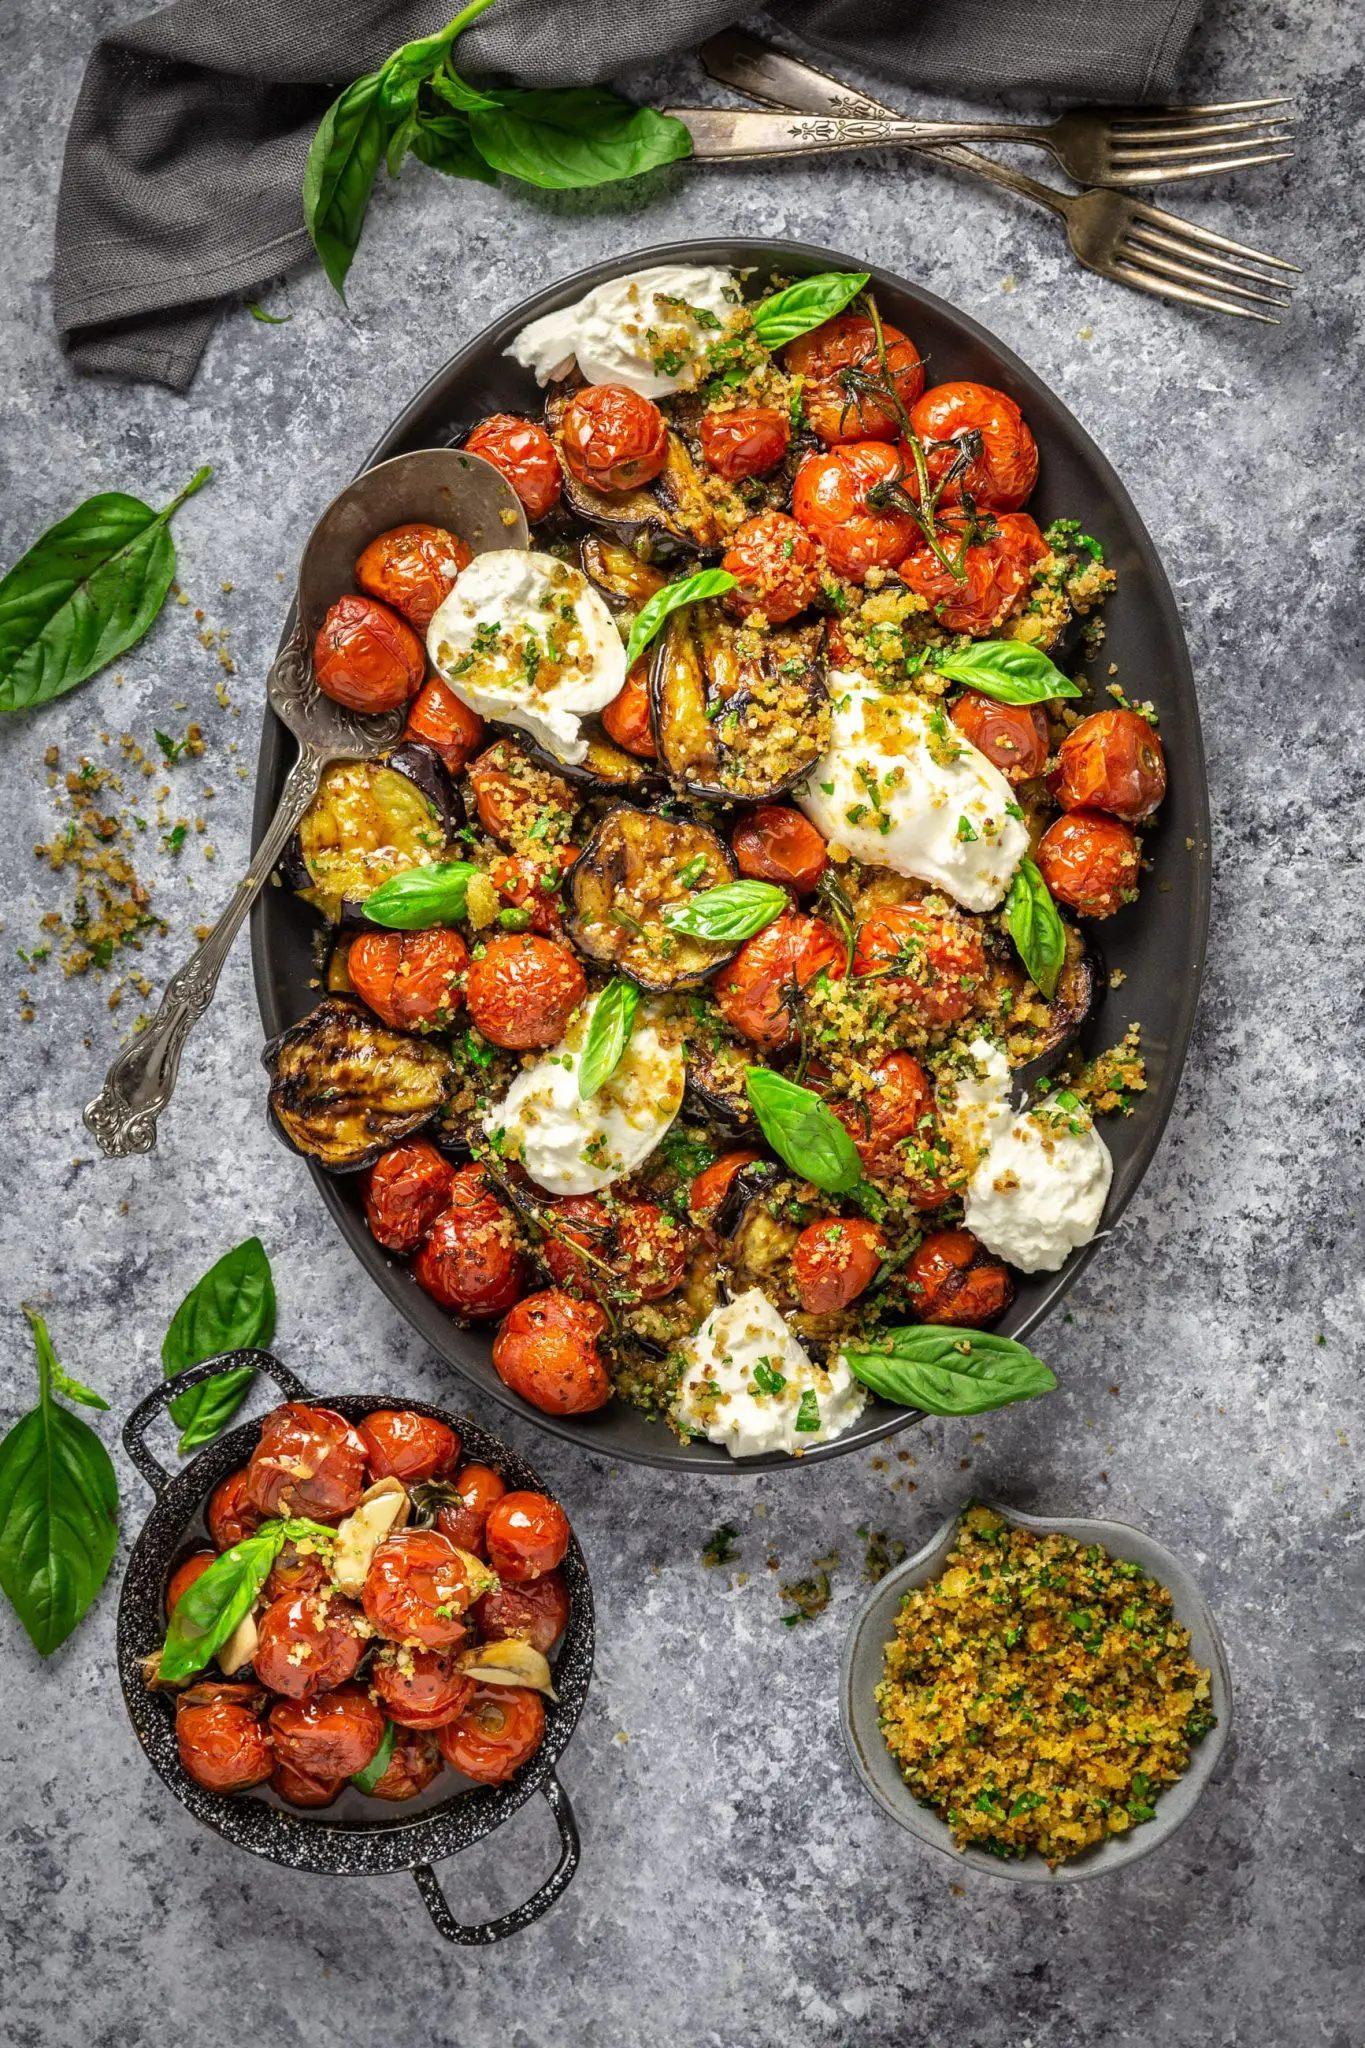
[(1013, 737), (644, 1249), (627, 717), (895, 1129), (415, 1760), (219, 1735), (777, 843), (413, 568), (525, 454), (470, 1261), (1114, 762), (537, 1612), (366, 657), (546, 1351), (309, 1462), (302, 1790), (835, 1261), (952, 1278), (437, 716), (776, 566), (534, 886), (527, 1534), (231, 1515), (523, 990), (712, 1184), (753, 992), (997, 572), (185, 1574), (419, 1688), (401, 1444), (501, 1729), (1090, 862), (1002, 477), (932, 966), (836, 497), (613, 439), (478, 1486), (307, 1643), (418, 1588), (747, 442), (296, 1571), (404, 1192), (331, 1736), (411, 980), (837, 413)]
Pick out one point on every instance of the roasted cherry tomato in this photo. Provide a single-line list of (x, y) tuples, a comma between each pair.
[(747, 442), (895, 1128), (536, 1612), (297, 1571), (419, 1688), (527, 1535), (230, 1514), (836, 1261), (712, 1184), (526, 456), (1112, 761), (413, 1762), (1002, 476), (471, 1262), (1090, 861), (514, 796), (997, 572), (837, 410), (478, 1486), (418, 1586), (308, 1462), (1013, 737), (776, 565), (501, 1729), (842, 497), (523, 990), (366, 657), (632, 1246), (300, 1790), (401, 1444), (331, 1736), (405, 1191), (220, 1738), (546, 1351), (413, 568), (613, 439), (534, 886), (308, 1642), (411, 980), (777, 844), (184, 1575), (952, 1278), (932, 966), (437, 716), (754, 991), (627, 719)]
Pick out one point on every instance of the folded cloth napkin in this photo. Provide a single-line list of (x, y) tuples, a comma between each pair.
[(184, 162)]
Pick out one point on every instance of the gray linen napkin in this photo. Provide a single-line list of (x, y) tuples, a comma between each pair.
[(184, 162)]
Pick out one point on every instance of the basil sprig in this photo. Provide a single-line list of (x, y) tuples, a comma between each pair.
[(1035, 925), (687, 590), (608, 1035), (565, 139), (221, 1598), (947, 1371), (86, 591), (421, 897), (1011, 671), (366, 1780), (734, 911), (232, 1308), (803, 1131), (807, 303), (58, 1506)]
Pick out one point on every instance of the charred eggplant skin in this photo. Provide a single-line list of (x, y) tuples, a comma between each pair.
[(344, 901), (626, 583), (608, 769), (637, 865), (723, 717), (715, 1085), (344, 1087)]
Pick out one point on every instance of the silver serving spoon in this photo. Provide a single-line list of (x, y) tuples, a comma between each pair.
[(437, 486)]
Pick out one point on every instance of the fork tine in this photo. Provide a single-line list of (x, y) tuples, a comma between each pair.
[(1154, 239), (1142, 115), (1151, 261), (1165, 288), (1156, 216), (1272, 127), (1157, 174)]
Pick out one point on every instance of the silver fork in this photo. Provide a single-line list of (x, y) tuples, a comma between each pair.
[(1114, 235)]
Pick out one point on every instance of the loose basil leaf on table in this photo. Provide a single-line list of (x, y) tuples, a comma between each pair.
[(687, 590), (608, 1035), (1009, 670), (1035, 925), (803, 1131), (421, 897), (806, 304), (231, 1309), (86, 591), (267, 319), (947, 1371), (366, 1780), (58, 1506), (735, 910), (565, 139)]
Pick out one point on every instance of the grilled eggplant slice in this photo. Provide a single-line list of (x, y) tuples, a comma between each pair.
[(626, 583), (672, 513), (344, 1087), (608, 770), (715, 1083), (1051, 1029), (368, 821), (758, 1241), (739, 716), (635, 867)]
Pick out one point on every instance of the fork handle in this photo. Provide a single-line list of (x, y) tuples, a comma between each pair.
[(139, 1084), (739, 132)]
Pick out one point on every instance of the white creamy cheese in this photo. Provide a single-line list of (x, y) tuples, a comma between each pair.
[(572, 1147), (900, 787), (1040, 1189), (525, 638), (720, 1396), (972, 1099), (641, 330)]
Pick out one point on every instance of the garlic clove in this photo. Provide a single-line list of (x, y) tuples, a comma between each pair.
[(509, 1662), (240, 1647), (384, 1507)]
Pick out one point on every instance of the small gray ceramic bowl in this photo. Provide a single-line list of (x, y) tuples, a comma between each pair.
[(861, 1673)]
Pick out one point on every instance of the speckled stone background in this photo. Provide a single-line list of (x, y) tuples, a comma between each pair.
[(737, 1890)]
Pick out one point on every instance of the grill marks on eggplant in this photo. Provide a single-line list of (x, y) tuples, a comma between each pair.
[(344, 1087), (739, 716), (632, 871), (371, 820), (625, 582)]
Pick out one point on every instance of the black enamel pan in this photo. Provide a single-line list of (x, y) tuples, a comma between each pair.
[(1157, 946), (351, 1839)]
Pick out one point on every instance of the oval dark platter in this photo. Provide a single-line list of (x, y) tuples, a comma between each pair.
[(1158, 946)]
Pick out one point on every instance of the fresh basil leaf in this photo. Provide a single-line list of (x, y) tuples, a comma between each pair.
[(734, 911), (1009, 670), (400, 142), (609, 1029), (366, 1780), (444, 144), (421, 897), (563, 139), (947, 1371), (1035, 925), (419, 62), (58, 1507), (450, 87), (220, 1598), (266, 320), (231, 1309), (343, 159), (807, 303), (687, 590), (85, 592), (803, 1131)]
